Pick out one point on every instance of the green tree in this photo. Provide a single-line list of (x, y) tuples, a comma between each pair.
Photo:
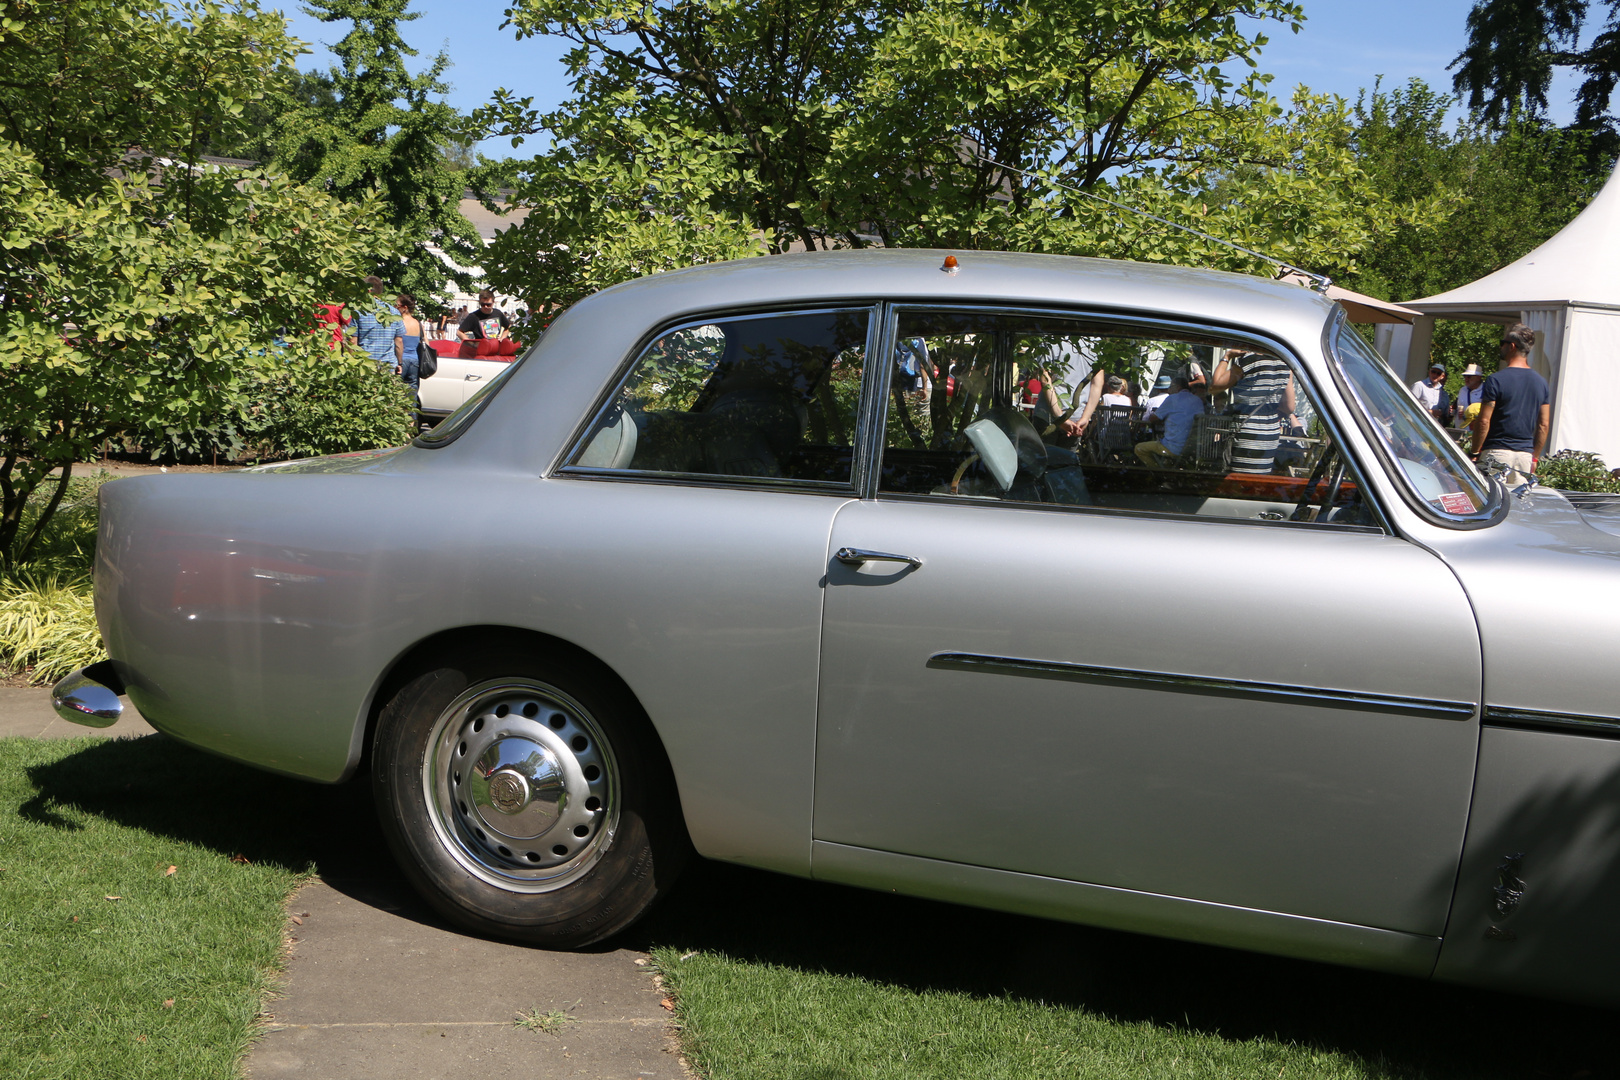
[(93, 84), (1477, 198), (1514, 46), (135, 294), (955, 123), (386, 131), (294, 91)]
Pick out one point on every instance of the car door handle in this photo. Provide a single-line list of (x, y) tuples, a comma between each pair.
[(856, 556), (472, 378)]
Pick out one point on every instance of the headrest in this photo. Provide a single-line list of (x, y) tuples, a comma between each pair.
[(1026, 441)]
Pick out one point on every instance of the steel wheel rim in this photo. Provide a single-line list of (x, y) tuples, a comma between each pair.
[(521, 785)]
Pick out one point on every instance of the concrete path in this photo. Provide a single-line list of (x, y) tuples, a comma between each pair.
[(26, 711), (378, 987)]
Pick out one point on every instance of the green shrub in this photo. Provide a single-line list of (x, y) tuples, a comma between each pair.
[(47, 626), (1576, 470), (348, 404), (334, 409)]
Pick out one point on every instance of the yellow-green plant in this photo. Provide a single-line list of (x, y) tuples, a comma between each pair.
[(47, 626)]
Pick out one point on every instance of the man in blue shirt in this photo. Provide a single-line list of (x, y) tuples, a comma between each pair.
[(1179, 410), (1515, 411), (371, 333)]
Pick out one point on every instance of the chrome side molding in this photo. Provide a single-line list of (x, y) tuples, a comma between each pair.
[(1560, 723), (1200, 684), (81, 699)]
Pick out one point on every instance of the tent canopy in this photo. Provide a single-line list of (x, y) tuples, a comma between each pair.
[(1568, 291), (1580, 264)]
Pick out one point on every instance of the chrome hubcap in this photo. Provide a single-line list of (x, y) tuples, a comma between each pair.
[(522, 784)]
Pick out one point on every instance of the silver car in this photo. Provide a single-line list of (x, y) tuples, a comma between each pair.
[(809, 563)]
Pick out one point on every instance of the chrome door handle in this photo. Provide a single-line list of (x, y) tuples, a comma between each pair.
[(472, 378), (856, 556)]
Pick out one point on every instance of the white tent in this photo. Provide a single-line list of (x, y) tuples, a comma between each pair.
[(1568, 292)]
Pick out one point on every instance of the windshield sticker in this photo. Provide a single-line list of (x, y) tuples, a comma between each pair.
[(1457, 502)]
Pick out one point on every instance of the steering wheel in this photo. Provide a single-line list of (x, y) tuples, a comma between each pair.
[(1329, 457)]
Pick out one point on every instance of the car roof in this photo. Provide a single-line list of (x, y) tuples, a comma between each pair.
[(981, 277)]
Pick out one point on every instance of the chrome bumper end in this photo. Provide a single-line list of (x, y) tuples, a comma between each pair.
[(89, 696)]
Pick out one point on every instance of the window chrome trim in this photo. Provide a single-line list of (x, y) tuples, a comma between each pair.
[(1129, 512), (578, 440), (721, 480), (1603, 727), (1200, 684), (1219, 332)]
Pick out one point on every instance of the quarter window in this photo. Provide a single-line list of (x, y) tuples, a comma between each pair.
[(1033, 409), (772, 397)]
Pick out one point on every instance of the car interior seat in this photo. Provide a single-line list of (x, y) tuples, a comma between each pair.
[(614, 445), (1022, 466)]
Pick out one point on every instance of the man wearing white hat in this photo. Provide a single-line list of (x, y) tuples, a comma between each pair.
[(1473, 391)]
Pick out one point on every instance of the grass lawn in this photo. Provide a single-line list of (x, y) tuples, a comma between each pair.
[(774, 978), (779, 979), (166, 981)]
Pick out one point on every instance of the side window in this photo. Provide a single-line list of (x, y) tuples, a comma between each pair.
[(769, 396), (1087, 413)]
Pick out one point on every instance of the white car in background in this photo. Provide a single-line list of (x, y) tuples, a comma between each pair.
[(457, 379)]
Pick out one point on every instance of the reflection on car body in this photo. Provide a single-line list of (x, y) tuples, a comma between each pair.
[(699, 575)]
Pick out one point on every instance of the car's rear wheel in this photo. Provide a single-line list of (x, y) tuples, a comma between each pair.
[(525, 796)]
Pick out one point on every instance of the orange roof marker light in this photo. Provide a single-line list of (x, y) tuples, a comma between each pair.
[(950, 266)]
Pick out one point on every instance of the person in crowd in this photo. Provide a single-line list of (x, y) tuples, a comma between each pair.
[(487, 322), (1473, 388), (1177, 411), (331, 315), (370, 332), (1431, 394), (407, 335), (1161, 389), (1114, 393), (1515, 411), (1263, 396)]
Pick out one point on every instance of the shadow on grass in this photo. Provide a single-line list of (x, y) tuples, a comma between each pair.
[(1399, 1027), (161, 787)]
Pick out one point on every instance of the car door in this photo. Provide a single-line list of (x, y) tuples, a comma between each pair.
[(1141, 677), (703, 492)]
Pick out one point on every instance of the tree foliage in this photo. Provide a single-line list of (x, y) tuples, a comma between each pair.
[(293, 92), (135, 290), (954, 123), (385, 130), (1484, 198), (1514, 46)]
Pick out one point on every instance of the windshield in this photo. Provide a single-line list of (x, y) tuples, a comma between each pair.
[(1424, 458)]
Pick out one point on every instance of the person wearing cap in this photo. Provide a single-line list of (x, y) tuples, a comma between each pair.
[(1431, 393), (1161, 390)]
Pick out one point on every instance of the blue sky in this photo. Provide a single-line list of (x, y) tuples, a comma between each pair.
[(1341, 49)]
